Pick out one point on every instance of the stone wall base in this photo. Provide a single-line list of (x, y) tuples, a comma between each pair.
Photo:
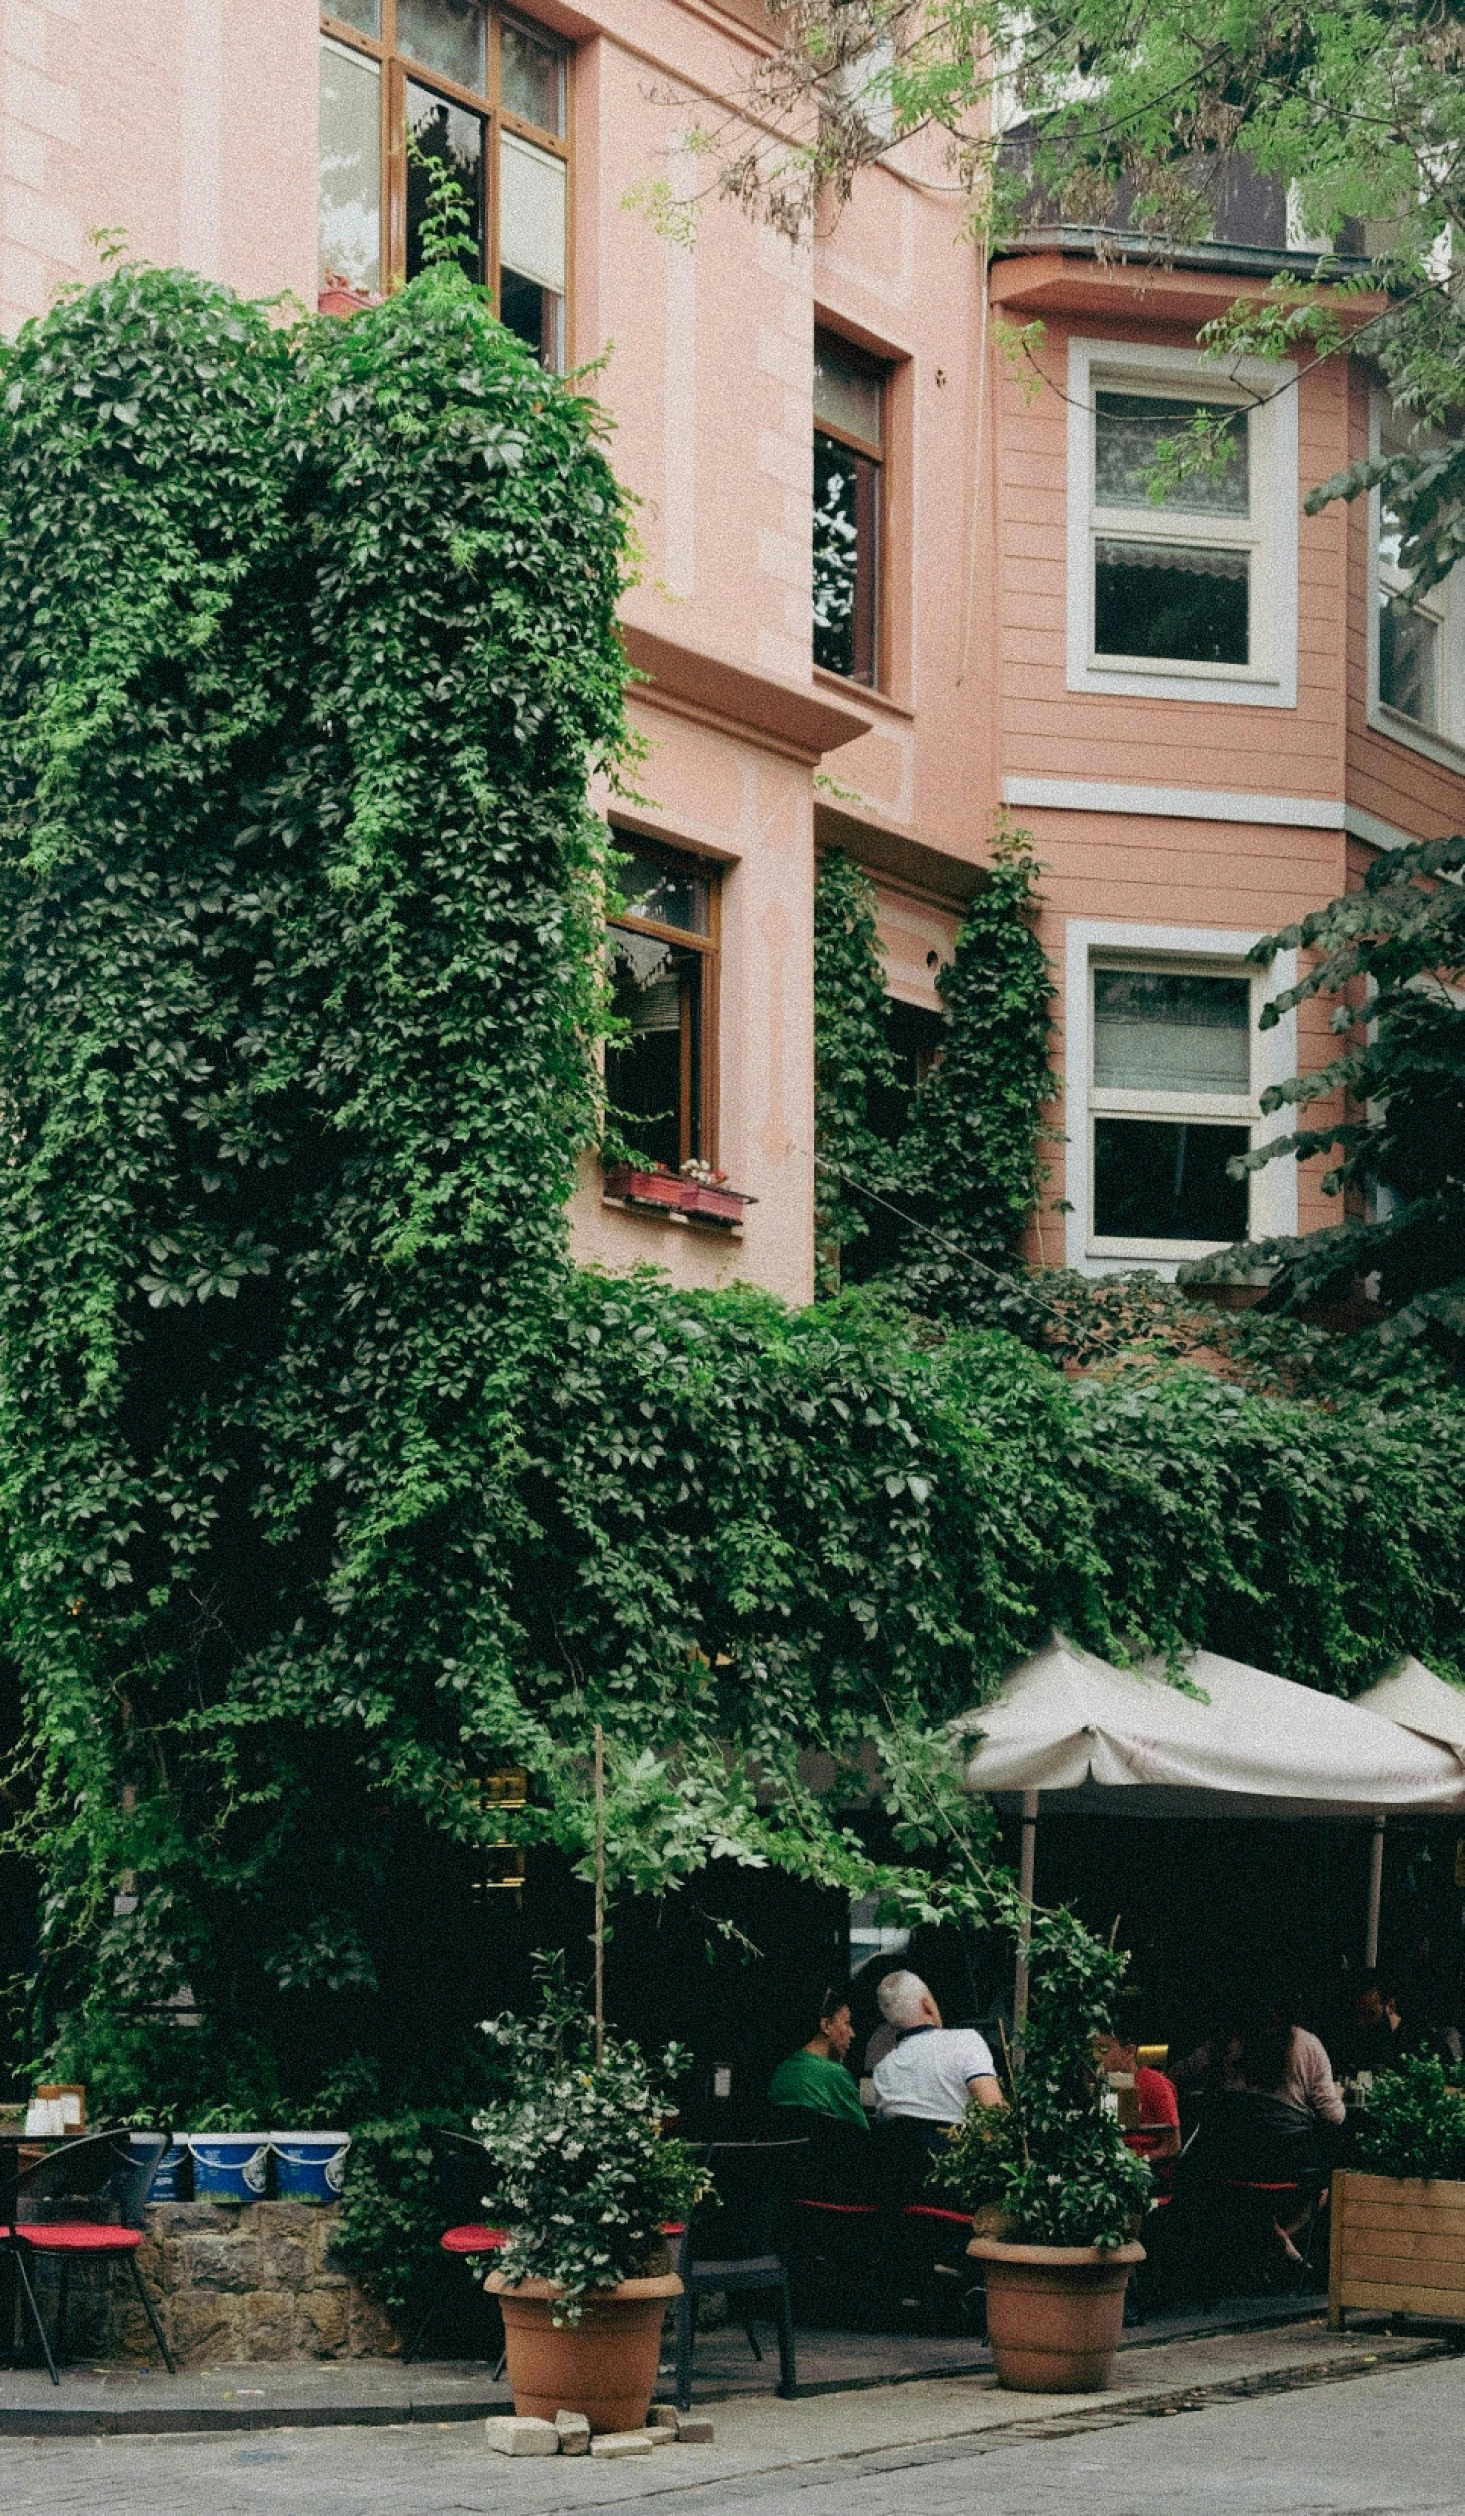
[(257, 2280)]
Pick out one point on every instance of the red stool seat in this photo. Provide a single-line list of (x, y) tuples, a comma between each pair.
[(842, 2209), (930, 2210), (473, 2239), (75, 2236)]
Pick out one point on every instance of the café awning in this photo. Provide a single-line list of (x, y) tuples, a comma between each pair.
[(1416, 1700), (1230, 1741)]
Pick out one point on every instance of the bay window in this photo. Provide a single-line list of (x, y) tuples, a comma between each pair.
[(1417, 640)]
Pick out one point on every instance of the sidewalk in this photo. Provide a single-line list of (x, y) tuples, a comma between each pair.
[(754, 2430)]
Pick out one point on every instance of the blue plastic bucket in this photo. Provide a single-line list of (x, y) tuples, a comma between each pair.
[(229, 2166), (172, 2175), (310, 2166)]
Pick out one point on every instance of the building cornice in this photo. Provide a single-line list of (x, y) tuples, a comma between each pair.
[(783, 716)]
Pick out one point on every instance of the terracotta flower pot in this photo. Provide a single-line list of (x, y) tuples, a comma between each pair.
[(604, 2366), (1055, 2313)]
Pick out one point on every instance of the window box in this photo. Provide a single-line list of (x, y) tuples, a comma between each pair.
[(710, 1201), (338, 297)]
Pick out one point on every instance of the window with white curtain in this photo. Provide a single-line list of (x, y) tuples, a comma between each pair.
[(1182, 572), (1171, 1104)]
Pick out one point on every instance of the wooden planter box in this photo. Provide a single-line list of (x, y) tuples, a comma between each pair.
[(676, 1196), (1398, 2244)]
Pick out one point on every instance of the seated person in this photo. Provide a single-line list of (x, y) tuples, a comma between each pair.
[(933, 2072), (815, 2078), (1375, 2036), (1157, 2133)]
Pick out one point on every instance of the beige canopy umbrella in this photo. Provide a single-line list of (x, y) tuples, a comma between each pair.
[(1418, 1701), (1230, 1741)]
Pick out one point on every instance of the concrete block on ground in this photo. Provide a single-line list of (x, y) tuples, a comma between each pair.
[(622, 2442), (694, 2428), (574, 2432), (512, 2436)]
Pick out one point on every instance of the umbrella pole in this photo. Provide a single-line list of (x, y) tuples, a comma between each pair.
[(1375, 1892), (1025, 1921)]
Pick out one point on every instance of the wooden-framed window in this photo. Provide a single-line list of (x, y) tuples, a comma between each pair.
[(849, 485), (474, 87), (660, 1075)]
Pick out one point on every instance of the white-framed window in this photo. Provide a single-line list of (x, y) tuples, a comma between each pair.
[(1166, 1069), (1196, 597), (1416, 657)]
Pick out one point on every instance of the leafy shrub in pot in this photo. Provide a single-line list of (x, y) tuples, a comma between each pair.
[(582, 2173), (1398, 2208), (1415, 2124), (1052, 2177)]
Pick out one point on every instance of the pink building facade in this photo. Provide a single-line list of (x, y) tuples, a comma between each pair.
[(898, 580)]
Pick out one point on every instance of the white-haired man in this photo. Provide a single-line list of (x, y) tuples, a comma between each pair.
[(933, 2072)]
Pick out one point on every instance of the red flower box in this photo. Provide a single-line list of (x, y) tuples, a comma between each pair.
[(675, 1195)]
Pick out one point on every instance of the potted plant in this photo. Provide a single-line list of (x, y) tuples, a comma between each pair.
[(1055, 2193), (582, 2173), (1398, 2208), (695, 1189)]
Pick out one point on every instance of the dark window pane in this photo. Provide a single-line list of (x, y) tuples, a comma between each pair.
[(847, 390), (653, 1077), (536, 314), (665, 888), (366, 15), (454, 136), (1408, 649), (1130, 429), (1164, 1179), (446, 35), (846, 511), (1168, 603), (532, 78), (1171, 1031)]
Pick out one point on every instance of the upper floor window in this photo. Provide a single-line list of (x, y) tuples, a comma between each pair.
[(484, 94), (1419, 639), (849, 457), (660, 1072), (1170, 1105), (1182, 577)]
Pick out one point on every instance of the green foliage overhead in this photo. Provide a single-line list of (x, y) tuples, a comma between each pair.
[(1054, 2162), (1127, 121), (1392, 958)]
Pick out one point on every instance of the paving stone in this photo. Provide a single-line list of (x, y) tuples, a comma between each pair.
[(694, 2428), (512, 2436), (574, 2432), (622, 2442), (663, 2415)]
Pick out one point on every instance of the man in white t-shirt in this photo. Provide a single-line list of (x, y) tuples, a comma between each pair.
[(934, 2071)]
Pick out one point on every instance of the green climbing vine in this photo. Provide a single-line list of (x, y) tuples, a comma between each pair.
[(852, 1060), (327, 1483), (967, 1172)]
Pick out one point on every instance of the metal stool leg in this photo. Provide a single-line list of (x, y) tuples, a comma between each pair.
[(788, 2384), (37, 2318), (147, 2308), (686, 2335)]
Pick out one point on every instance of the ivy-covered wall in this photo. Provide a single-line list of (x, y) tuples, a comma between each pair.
[(326, 1481)]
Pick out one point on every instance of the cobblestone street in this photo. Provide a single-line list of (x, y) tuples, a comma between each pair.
[(1384, 2442)]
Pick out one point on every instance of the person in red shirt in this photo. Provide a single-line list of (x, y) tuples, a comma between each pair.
[(1157, 2133)]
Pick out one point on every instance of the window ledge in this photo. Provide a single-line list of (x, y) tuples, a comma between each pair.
[(824, 680), (717, 1225), (1397, 728)]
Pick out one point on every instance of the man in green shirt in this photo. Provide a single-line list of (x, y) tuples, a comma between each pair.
[(815, 2077)]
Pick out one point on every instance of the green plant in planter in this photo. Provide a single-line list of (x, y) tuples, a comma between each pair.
[(1053, 2161), (579, 2167), (1415, 2124)]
